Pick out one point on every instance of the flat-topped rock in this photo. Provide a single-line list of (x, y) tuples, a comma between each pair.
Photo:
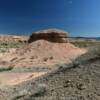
[(52, 35)]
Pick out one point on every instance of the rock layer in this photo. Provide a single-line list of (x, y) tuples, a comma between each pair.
[(52, 35), (13, 38)]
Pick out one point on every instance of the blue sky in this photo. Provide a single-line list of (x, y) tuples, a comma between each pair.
[(78, 17)]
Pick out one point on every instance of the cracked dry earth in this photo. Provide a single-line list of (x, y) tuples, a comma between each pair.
[(77, 81)]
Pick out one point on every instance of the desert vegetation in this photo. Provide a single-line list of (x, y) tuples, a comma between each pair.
[(47, 69), (6, 69), (86, 43), (6, 45)]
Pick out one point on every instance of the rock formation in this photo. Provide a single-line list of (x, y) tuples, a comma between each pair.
[(47, 47), (52, 35), (13, 38)]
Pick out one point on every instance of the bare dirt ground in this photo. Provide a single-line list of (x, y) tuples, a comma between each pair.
[(42, 53), (79, 80), (39, 53), (43, 70), (16, 78)]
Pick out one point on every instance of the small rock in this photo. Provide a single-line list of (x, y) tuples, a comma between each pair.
[(45, 59), (68, 83), (81, 86), (51, 57)]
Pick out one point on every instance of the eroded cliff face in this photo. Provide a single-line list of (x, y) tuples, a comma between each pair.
[(52, 35)]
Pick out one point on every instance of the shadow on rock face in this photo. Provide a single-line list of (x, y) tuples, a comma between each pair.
[(52, 35)]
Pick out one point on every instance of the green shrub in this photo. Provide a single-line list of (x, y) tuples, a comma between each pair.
[(6, 69)]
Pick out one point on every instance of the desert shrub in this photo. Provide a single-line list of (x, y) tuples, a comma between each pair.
[(3, 50), (11, 44), (40, 90), (94, 50), (6, 68), (5, 45), (92, 54), (85, 43)]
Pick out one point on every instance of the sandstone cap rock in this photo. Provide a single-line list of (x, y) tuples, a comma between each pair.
[(52, 35)]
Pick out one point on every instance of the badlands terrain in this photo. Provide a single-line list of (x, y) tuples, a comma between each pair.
[(48, 65)]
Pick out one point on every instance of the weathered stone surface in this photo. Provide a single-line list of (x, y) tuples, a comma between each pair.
[(52, 35), (13, 38)]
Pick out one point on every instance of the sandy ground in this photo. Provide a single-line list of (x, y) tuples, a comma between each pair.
[(16, 78), (80, 82), (39, 53), (42, 53)]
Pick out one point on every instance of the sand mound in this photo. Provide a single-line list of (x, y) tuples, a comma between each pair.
[(42, 52)]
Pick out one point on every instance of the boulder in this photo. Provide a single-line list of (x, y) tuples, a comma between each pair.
[(52, 35)]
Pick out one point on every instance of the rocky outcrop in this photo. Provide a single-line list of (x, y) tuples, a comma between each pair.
[(13, 38), (52, 35)]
